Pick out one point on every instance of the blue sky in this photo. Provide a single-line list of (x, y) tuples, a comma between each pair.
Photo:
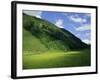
[(77, 23)]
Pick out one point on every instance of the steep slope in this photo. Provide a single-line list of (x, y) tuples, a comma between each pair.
[(48, 36), (32, 43)]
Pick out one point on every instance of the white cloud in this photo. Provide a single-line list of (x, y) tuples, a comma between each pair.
[(83, 28), (33, 13), (78, 19), (59, 23), (86, 41)]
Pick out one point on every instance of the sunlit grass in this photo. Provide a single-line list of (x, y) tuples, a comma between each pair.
[(56, 59)]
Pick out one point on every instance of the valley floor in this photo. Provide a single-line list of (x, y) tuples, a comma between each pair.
[(56, 59)]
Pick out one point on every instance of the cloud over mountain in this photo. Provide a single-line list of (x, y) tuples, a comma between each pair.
[(59, 23)]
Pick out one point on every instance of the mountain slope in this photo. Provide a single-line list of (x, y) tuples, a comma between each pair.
[(47, 36)]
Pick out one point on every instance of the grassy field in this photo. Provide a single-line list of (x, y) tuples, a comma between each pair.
[(55, 59)]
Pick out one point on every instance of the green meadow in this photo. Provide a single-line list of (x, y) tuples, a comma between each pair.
[(56, 59)]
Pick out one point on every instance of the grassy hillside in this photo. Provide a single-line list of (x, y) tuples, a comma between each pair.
[(51, 36), (47, 46)]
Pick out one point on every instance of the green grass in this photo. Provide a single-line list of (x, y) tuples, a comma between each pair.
[(56, 59), (31, 43)]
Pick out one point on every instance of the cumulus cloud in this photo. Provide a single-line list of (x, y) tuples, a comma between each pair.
[(78, 19), (86, 41), (33, 13), (83, 28), (59, 23)]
